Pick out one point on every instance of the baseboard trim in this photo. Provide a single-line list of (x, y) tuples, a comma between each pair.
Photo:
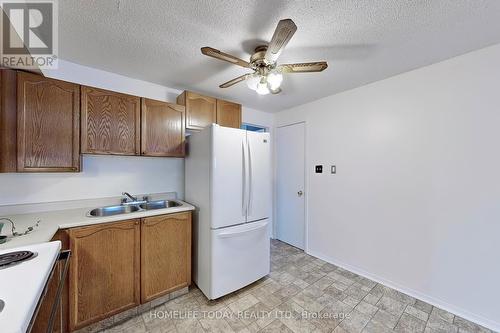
[(478, 319)]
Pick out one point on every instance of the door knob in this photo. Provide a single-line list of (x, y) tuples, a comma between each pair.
[(299, 193)]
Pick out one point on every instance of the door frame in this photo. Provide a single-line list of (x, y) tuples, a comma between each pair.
[(306, 184)]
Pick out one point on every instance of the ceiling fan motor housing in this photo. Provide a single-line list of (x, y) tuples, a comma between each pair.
[(258, 58)]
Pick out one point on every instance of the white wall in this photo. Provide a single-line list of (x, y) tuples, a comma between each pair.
[(256, 117), (102, 176), (415, 202), (84, 75)]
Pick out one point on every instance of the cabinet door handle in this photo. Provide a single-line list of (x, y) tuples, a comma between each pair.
[(300, 193)]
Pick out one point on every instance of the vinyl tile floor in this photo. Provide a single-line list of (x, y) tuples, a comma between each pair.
[(302, 294)]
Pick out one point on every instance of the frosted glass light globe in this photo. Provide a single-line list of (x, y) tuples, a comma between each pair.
[(253, 80), (262, 88), (274, 80)]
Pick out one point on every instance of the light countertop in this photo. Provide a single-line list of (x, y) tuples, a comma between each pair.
[(51, 221)]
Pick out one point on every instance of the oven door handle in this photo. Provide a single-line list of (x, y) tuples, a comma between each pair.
[(63, 255)]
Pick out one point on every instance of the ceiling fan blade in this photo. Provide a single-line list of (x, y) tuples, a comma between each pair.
[(305, 67), (214, 53), (233, 81), (282, 35)]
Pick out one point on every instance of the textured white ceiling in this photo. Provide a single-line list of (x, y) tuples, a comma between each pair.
[(362, 40)]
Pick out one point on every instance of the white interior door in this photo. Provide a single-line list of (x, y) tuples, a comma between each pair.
[(259, 176), (290, 201)]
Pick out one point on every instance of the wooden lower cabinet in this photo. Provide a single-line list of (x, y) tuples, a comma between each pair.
[(42, 319), (165, 254), (104, 272), (119, 265)]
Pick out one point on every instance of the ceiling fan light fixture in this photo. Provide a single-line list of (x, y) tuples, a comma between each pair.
[(274, 80), (262, 88), (253, 81), (267, 75)]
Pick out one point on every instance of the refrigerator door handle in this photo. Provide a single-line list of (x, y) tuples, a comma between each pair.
[(250, 171), (242, 232), (244, 180)]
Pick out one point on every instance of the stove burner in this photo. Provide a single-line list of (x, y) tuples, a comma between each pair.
[(7, 259)]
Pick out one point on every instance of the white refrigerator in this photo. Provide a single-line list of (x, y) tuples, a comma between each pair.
[(228, 179)]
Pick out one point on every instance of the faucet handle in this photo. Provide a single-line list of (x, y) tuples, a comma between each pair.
[(128, 195)]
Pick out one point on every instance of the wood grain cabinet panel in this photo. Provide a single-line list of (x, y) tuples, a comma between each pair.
[(42, 319), (104, 272), (201, 111), (8, 120), (48, 119), (228, 114), (162, 132), (110, 122), (165, 254)]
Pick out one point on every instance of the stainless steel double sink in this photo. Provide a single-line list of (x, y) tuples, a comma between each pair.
[(131, 208)]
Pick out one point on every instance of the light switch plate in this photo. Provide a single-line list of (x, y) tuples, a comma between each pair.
[(334, 169)]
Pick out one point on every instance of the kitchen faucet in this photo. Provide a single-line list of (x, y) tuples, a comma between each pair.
[(133, 200)]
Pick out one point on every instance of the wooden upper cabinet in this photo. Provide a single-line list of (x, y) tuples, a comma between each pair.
[(110, 122), (48, 124), (201, 111), (8, 120), (228, 114), (165, 254), (162, 132), (104, 272)]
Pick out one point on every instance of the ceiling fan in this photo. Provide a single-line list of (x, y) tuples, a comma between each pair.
[(267, 74)]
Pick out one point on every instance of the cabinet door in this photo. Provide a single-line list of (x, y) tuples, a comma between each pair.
[(48, 123), (200, 110), (165, 254), (162, 129), (8, 121), (42, 319), (104, 272), (110, 122), (228, 114)]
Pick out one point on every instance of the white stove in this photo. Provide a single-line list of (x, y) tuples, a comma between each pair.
[(23, 275)]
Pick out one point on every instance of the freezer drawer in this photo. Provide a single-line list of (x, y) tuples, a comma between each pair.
[(240, 256)]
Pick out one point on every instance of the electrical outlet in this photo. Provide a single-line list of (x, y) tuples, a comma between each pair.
[(319, 169)]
